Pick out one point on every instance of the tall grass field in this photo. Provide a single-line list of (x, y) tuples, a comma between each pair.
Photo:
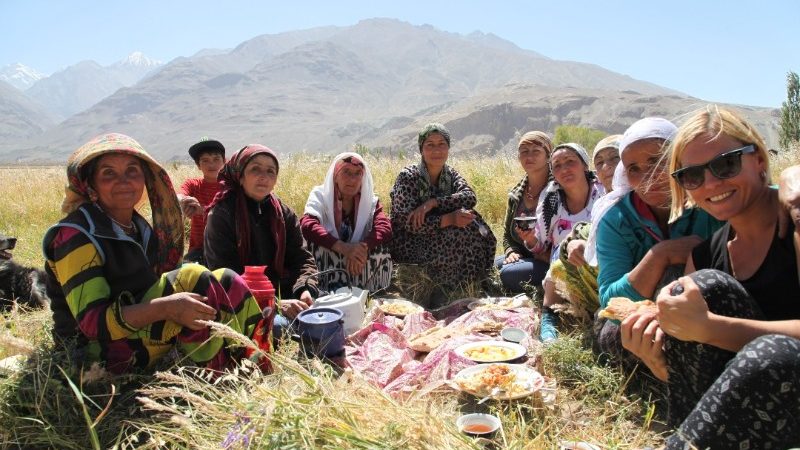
[(50, 403)]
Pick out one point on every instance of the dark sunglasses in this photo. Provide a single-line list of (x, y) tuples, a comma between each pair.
[(724, 166)]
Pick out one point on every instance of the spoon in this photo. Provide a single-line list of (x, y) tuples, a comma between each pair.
[(493, 393)]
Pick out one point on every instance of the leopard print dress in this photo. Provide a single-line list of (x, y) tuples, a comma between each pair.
[(452, 255)]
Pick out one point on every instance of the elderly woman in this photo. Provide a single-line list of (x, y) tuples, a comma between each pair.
[(518, 266), (433, 220), (730, 332), (566, 200), (114, 279), (345, 227), (248, 225)]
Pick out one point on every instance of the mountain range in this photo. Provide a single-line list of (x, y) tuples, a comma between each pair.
[(374, 84)]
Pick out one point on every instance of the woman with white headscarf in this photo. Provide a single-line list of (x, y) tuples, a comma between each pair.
[(567, 200), (345, 227), (632, 240)]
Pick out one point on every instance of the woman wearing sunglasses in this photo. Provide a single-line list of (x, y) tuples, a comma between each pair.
[(345, 227), (731, 350)]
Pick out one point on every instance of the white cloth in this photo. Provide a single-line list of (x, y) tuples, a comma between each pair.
[(647, 128), (320, 202), (620, 187), (562, 222)]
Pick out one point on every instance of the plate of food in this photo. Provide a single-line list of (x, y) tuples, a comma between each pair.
[(399, 308), (491, 351), (499, 381), (498, 303)]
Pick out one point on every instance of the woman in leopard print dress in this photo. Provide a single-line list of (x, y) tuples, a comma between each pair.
[(433, 218)]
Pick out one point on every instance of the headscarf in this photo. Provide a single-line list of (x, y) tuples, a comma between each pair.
[(647, 128), (608, 142), (553, 192), (230, 185), (433, 127), (537, 137), (324, 203), (167, 221)]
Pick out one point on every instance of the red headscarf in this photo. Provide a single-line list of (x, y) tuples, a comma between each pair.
[(230, 184)]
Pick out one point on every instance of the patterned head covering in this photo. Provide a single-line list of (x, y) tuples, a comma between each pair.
[(230, 185), (166, 220), (433, 127), (537, 137)]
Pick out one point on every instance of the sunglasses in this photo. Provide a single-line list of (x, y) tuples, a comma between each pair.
[(724, 166)]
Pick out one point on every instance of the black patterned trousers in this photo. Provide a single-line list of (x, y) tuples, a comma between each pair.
[(745, 400)]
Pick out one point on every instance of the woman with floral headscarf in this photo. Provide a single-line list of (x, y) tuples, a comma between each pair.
[(248, 225), (346, 229), (115, 281), (433, 218)]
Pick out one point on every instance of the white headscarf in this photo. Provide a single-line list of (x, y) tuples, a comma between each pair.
[(647, 128), (620, 188), (320, 202)]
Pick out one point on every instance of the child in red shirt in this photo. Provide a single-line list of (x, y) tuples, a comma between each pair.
[(197, 193)]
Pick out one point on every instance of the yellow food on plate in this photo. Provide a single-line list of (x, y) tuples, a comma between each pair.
[(488, 353)]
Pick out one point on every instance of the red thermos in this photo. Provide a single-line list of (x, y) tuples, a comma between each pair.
[(264, 293)]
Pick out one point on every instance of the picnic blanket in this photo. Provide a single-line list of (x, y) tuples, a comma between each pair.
[(380, 351)]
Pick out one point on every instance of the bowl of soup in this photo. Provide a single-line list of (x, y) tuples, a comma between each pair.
[(477, 424)]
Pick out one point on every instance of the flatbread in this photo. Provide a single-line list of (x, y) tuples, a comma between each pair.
[(619, 308), (434, 337)]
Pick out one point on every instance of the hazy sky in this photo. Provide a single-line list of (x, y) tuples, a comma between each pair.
[(728, 51)]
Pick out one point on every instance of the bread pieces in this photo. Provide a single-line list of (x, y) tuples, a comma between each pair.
[(619, 308)]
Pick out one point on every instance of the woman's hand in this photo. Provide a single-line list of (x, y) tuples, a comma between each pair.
[(185, 309), (642, 336), (511, 258), (190, 207), (684, 316), (355, 255), (789, 195), (528, 236), (417, 216), (291, 308), (460, 218), (575, 250), (676, 251)]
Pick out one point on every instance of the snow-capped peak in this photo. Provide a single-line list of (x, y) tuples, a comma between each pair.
[(137, 59), (20, 76)]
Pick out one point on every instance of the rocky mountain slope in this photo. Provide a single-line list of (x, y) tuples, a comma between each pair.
[(374, 83)]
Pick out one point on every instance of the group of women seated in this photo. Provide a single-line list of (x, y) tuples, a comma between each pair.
[(686, 215)]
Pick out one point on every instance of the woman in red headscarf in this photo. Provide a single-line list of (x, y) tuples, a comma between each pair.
[(248, 225)]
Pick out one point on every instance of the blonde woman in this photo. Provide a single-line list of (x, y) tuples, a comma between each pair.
[(731, 330)]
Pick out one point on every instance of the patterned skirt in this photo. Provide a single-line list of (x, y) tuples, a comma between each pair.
[(377, 273)]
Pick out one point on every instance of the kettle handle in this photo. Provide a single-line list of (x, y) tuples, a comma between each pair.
[(327, 272)]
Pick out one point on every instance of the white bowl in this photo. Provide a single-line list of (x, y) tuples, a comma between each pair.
[(486, 424)]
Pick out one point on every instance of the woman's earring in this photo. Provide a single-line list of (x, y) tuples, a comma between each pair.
[(763, 175), (92, 195)]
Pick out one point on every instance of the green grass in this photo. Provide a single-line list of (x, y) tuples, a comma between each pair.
[(50, 403)]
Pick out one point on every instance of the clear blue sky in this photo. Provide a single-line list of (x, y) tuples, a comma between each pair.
[(727, 51)]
